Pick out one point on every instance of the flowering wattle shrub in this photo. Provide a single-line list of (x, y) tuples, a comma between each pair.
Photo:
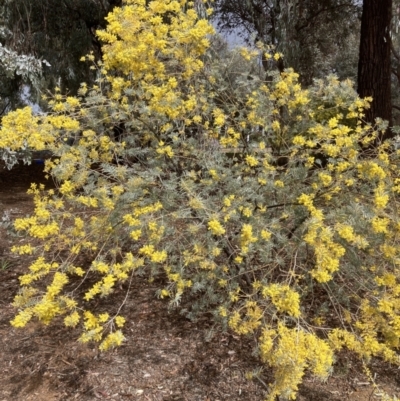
[(252, 195)]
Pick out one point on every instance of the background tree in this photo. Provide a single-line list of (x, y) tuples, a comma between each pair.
[(395, 45), (60, 32), (374, 65), (316, 37)]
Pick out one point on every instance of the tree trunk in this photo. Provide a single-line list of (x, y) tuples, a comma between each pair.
[(374, 65)]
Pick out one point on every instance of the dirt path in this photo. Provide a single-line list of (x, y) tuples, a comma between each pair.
[(165, 358)]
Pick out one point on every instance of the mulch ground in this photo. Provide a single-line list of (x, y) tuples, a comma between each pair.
[(165, 357)]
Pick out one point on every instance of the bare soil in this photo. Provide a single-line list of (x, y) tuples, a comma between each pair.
[(165, 358)]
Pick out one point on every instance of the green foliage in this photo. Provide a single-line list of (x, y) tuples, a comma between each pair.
[(5, 264), (253, 199)]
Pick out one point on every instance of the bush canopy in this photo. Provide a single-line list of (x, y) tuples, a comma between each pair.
[(270, 207)]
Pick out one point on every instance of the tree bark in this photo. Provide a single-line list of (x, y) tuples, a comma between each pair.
[(374, 65)]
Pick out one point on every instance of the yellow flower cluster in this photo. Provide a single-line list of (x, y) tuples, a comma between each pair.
[(251, 320), (246, 238), (284, 298), (165, 150), (346, 232), (295, 350), (216, 227)]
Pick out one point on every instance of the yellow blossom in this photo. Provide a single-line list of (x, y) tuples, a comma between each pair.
[(215, 227)]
